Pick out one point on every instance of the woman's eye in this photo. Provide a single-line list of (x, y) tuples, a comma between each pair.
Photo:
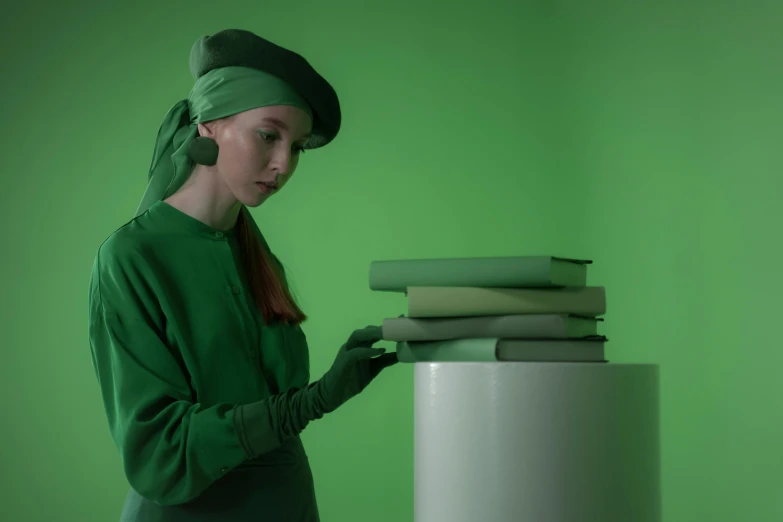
[(268, 136)]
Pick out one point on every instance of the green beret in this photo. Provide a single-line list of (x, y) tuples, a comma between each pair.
[(238, 47)]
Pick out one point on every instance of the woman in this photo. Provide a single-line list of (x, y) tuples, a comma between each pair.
[(195, 337)]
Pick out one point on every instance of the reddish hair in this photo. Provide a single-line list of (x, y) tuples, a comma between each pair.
[(265, 277)]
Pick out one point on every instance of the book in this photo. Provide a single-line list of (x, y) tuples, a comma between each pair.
[(536, 326), (495, 349), (487, 272), (432, 301)]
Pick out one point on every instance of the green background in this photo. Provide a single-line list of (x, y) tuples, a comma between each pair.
[(643, 135)]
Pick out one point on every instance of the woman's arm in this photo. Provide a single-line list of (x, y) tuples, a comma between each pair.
[(171, 447)]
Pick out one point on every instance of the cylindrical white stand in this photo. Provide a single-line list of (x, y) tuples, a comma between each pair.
[(536, 442)]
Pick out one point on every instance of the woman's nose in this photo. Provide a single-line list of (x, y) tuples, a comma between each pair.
[(281, 163)]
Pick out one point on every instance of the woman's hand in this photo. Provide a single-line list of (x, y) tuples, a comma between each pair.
[(356, 365)]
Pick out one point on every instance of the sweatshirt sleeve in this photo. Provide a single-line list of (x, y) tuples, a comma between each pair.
[(171, 447)]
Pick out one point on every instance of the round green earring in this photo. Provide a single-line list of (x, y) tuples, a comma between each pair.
[(203, 150)]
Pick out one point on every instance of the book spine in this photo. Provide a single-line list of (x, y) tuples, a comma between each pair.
[(458, 350), (469, 301), (509, 326), (512, 272)]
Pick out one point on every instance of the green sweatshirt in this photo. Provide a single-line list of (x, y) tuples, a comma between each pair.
[(188, 370)]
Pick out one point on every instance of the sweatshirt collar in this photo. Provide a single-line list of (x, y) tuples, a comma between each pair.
[(187, 223)]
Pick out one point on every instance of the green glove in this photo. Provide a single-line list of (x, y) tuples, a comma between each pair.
[(356, 365), (267, 424)]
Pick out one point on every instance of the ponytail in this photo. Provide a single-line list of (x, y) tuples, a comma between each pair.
[(265, 277)]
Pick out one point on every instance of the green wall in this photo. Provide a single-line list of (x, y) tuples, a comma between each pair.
[(643, 135)]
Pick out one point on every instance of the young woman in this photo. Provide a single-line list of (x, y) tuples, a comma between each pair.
[(195, 337)]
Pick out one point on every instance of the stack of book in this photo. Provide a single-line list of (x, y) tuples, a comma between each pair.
[(522, 308)]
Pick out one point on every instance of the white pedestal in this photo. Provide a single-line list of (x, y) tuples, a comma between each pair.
[(536, 442)]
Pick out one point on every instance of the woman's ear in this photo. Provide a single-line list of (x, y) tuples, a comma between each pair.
[(203, 149), (206, 129)]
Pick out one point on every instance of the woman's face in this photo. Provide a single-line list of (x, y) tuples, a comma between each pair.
[(259, 146)]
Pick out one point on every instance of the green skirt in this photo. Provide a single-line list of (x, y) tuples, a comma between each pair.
[(274, 488)]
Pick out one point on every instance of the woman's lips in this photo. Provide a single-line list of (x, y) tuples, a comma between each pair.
[(266, 189)]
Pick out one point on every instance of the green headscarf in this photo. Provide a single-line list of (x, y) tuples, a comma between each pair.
[(220, 93)]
